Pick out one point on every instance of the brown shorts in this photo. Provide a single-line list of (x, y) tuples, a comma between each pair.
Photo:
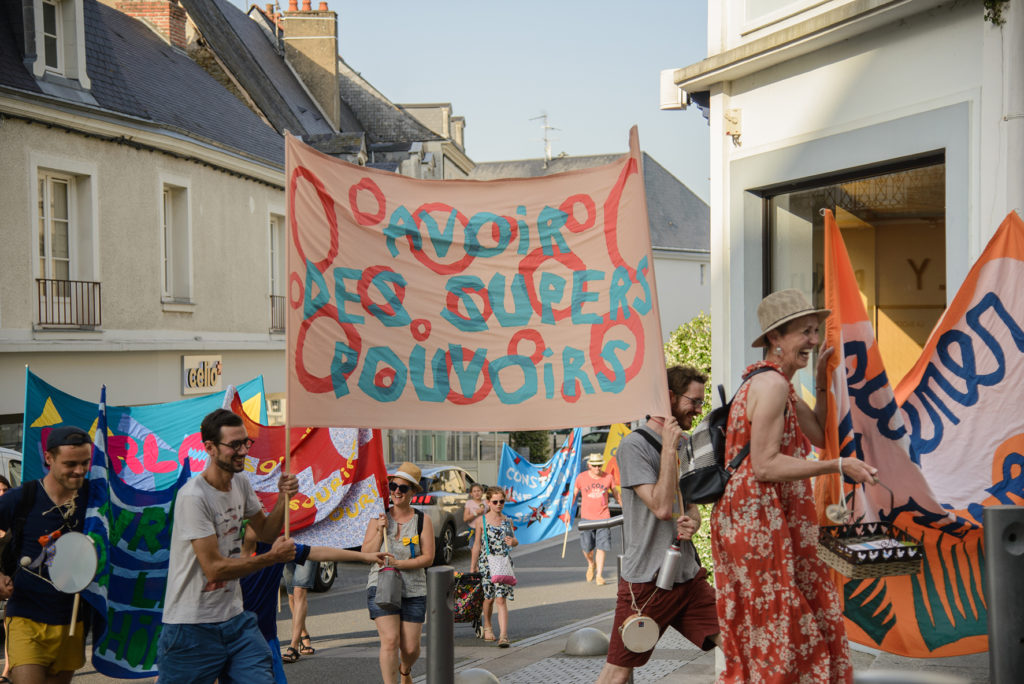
[(689, 608)]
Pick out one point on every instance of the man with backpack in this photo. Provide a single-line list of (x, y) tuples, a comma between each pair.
[(649, 475), (39, 647)]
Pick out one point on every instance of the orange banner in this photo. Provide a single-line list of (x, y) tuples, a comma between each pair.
[(470, 305), (944, 442)]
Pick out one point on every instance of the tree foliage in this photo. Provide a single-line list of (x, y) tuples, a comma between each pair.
[(538, 441), (690, 345)]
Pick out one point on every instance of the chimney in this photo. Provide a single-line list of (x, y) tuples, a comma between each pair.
[(459, 131), (311, 48), (166, 17)]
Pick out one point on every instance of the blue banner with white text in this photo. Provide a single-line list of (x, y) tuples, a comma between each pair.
[(539, 495)]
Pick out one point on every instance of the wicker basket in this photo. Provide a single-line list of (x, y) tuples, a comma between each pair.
[(876, 549)]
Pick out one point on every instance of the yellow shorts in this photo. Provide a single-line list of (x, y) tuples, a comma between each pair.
[(37, 643)]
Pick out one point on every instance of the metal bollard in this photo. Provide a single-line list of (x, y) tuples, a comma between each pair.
[(440, 626), (1004, 592)]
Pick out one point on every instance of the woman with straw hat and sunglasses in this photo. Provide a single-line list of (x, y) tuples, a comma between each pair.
[(413, 549), (764, 530)]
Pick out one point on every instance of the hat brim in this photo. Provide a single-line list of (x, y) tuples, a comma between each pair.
[(408, 478), (822, 314)]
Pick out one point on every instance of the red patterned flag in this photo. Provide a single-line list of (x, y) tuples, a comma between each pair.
[(342, 478)]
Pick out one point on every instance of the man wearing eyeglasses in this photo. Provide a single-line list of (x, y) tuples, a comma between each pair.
[(649, 475), (595, 485), (39, 648), (206, 633)]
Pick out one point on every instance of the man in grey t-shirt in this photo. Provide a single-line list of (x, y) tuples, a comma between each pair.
[(206, 633), (649, 474)]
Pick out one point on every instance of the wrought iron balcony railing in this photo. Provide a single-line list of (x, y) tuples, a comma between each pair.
[(277, 313), (73, 303)]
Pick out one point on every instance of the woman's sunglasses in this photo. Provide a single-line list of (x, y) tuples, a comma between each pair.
[(497, 501), (395, 487)]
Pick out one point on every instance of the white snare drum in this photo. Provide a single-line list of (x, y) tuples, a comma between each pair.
[(74, 562), (639, 633)]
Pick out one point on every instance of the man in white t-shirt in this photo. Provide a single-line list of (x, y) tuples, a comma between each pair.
[(206, 633)]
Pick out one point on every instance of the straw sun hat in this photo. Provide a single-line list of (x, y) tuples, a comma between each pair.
[(782, 307), (410, 473)]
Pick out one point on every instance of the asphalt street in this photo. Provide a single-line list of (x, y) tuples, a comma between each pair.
[(551, 594)]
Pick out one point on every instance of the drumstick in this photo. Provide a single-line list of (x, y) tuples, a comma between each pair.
[(74, 615)]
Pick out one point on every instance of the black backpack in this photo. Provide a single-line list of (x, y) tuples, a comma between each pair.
[(707, 474), (10, 556)]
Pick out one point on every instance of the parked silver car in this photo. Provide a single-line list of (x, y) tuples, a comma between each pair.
[(445, 490)]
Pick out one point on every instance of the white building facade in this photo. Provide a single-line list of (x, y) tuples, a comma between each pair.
[(906, 118)]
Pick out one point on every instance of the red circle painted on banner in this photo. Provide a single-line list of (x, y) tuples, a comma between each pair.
[(384, 378), (364, 218), (420, 329), (481, 393), (451, 302), (322, 384), (327, 202), (597, 335), (611, 216), (588, 203), (296, 290), (529, 264), (421, 256), (364, 290), (531, 335)]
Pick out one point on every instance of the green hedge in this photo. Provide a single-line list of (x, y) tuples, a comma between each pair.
[(690, 345)]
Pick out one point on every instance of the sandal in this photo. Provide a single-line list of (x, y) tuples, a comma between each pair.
[(503, 642), (290, 655), (488, 634), (306, 647)]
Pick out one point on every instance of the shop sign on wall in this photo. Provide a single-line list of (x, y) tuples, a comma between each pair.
[(200, 374)]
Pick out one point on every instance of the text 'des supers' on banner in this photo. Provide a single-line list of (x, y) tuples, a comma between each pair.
[(470, 305)]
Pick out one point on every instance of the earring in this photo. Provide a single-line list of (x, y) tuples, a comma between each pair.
[(778, 350)]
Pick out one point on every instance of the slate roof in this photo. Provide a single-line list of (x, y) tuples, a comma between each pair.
[(253, 60), (134, 72), (678, 218), (382, 120)]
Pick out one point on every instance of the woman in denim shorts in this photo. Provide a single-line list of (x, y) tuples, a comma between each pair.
[(400, 629)]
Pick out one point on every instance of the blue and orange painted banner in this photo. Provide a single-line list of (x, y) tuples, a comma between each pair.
[(539, 496), (516, 304), (148, 444), (947, 441)]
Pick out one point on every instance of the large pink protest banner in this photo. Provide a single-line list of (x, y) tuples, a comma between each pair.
[(470, 305)]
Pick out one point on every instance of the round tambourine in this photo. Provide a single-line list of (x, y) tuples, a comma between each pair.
[(74, 562), (639, 633)]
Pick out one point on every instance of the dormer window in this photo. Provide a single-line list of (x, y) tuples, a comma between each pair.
[(53, 42), (59, 41)]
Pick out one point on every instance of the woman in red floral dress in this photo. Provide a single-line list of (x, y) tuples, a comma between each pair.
[(778, 609)]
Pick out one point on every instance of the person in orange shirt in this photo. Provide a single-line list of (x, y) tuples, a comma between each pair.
[(596, 486)]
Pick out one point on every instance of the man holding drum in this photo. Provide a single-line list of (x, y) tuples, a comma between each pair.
[(207, 634), (649, 474), (40, 647)]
